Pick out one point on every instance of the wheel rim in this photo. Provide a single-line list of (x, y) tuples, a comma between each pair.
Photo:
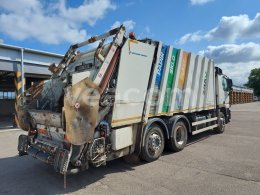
[(154, 143), (180, 134)]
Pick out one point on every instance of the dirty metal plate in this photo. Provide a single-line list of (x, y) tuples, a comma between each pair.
[(81, 105), (47, 118)]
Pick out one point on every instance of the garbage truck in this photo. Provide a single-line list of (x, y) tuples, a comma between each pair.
[(124, 97)]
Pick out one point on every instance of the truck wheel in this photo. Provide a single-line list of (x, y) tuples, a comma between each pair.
[(179, 137), (153, 143), (221, 123)]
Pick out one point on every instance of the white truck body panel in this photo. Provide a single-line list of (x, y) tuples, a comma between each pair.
[(188, 85), (210, 97), (133, 76), (193, 85), (199, 105), (122, 137)]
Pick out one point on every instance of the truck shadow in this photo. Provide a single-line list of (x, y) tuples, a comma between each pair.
[(25, 175), (199, 137), (194, 139)]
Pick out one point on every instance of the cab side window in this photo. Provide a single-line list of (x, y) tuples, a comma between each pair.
[(224, 84)]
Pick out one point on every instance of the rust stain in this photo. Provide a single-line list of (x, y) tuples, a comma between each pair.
[(81, 105)]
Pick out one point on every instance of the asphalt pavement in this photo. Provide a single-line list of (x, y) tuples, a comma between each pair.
[(226, 163)]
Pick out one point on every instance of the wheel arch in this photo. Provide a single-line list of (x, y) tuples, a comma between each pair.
[(161, 123)]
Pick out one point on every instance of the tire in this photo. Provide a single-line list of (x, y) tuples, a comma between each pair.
[(153, 145), (179, 137), (221, 123)]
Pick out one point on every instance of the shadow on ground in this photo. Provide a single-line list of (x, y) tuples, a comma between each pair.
[(199, 137), (35, 177)]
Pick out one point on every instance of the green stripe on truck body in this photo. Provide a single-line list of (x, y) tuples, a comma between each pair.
[(170, 79)]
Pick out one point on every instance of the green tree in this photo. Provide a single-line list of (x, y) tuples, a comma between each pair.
[(254, 81)]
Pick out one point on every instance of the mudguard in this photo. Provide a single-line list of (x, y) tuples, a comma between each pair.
[(158, 121)]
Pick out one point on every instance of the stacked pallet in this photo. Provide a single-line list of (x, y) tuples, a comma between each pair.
[(241, 95)]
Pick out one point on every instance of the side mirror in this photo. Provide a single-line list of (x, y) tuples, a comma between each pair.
[(230, 84)]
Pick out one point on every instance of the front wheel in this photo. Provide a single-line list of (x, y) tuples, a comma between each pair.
[(221, 123), (153, 143)]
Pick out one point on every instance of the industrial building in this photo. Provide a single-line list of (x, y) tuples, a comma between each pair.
[(19, 67)]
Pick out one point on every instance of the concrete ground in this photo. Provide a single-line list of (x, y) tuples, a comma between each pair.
[(211, 164)]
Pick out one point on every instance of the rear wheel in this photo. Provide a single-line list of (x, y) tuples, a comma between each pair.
[(179, 137), (153, 143), (221, 123)]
